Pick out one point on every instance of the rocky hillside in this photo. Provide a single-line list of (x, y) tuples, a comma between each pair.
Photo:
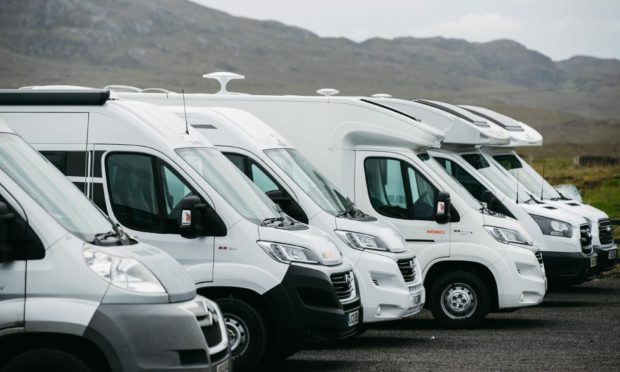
[(171, 43)]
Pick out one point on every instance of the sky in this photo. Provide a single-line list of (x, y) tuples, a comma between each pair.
[(558, 28)]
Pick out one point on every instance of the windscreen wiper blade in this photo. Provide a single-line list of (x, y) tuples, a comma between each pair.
[(271, 220)]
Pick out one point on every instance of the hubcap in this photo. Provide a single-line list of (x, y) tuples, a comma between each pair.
[(238, 335), (458, 301)]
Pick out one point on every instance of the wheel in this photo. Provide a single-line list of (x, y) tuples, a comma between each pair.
[(459, 300), (247, 333), (46, 359)]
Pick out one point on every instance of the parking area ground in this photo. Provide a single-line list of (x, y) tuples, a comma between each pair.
[(573, 329)]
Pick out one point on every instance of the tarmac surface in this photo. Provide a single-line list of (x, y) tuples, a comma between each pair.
[(575, 328)]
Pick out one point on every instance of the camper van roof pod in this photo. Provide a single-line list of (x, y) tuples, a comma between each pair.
[(521, 134), (60, 97), (456, 111)]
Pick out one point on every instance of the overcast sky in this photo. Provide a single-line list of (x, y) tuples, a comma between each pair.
[(557, 28)]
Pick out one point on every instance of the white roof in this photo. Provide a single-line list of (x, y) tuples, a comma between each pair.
[(521, 134)]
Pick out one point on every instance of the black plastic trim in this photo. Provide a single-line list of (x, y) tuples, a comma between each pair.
[(568, 268), (19, 97)]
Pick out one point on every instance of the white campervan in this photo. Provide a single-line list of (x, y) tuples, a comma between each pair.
[(472, 262), (277, 281), (389, 277), (522, 135), (460, 157), (76, 291)]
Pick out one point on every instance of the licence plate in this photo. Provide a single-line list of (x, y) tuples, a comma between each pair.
[(612, 254), (353, 318), (592, 261), (223, 367)]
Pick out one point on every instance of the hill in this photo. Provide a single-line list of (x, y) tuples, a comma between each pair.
[(171, 43)]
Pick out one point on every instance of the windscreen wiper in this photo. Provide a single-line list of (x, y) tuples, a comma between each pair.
[(271, 220), (101, 237)]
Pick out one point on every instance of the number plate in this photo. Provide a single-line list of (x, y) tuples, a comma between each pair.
[(353, 318), (613, 254), (223, 367), (592, 261)]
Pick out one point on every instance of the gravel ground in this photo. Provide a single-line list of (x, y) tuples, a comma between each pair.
[(573, 329)]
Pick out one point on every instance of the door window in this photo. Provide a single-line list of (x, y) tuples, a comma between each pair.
[(145, 193), (472, 185), (398, 190)]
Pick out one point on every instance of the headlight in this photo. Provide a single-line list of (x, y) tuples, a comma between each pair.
[(507, 235), (361, 241), (287, 253), (123, 272), (552, 227)]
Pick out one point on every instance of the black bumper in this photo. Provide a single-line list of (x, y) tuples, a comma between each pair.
[(305, 308), (569, 268), (604, 262), (149, 337)]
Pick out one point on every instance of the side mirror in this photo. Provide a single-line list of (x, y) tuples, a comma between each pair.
[(288, 205), (6, 251), (442, 207), (489, 198), (199, 219)]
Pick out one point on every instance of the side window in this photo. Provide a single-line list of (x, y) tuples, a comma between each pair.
[(131, 184), (262, 179), (397, 190), (472, 185), (21, 237), (238, 161), (145, 193), (422, 195), (99, 197)]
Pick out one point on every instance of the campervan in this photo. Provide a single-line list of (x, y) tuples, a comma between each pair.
[(277, 281), (76, 290)]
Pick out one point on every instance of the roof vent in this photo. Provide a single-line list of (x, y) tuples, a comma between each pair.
[(327, 92), (381, 95), (223, 78)]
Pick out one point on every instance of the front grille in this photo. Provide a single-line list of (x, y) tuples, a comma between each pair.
[(605, 232), (585, 238), (344, 285), (539, 257), (407, 268)]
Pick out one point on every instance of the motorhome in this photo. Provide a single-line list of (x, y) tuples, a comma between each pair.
[(472, 262), (567, 254), (278, 282), (76, 291), (389, 276), (523, 135)]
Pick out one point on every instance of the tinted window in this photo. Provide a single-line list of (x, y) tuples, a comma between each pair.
[(398, 190), (145, 193), (99, 197), (476, 160), (24, 242), (472, 185), (508, 161)]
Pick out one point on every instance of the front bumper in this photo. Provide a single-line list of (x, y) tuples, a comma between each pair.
[(606, 257), (569, 268), (150, 337), (304, 307), (521, 280), (384, 292)]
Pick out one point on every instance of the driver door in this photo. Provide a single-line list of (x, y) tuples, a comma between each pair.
[(392, 187), (143, 193)]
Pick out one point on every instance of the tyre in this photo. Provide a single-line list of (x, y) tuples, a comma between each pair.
[(46, 359), (459, 299), (247, 333)]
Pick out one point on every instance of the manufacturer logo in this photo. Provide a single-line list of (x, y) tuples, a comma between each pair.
[(349, 278), (608, 229)]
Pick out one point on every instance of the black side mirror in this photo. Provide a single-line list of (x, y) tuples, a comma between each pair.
[(288, 205), (489, 198), (199, 219), (442, 207), (6, 251)]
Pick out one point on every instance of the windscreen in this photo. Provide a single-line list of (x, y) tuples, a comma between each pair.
[(502, 180), (230, 183), (528, 176), (50, 189), (310, 180), (453, 183)]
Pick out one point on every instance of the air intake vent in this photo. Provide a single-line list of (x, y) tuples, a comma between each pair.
[(573, 204), (605, 232), (585, 238), (407, 268), (344, 285), (550, 207)]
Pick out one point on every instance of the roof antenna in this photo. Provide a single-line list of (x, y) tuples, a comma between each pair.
[(542, 181), (185, 112), (517, 185)]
